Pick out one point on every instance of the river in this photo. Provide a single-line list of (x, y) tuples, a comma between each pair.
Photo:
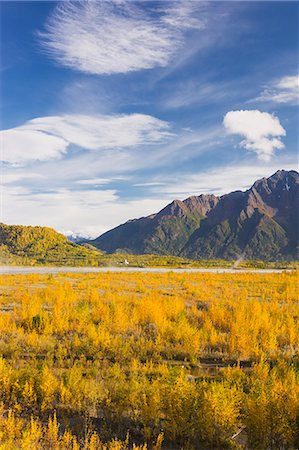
[(23, 270)]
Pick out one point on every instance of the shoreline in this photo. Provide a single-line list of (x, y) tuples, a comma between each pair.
[(14, 270)]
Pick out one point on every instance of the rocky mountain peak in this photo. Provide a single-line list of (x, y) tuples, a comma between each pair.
[(201, 204), (278, 191), (176, 208), (260, 223)]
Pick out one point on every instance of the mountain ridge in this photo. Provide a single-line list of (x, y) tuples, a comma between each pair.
[(259, 223)]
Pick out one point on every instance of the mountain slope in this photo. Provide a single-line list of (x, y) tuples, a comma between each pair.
[(39, 244), (260, 223), (163, 233)]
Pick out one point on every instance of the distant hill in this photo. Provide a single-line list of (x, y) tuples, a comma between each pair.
[(260, 223), (25, 244)]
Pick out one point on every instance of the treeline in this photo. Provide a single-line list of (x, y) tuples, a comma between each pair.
[(41, 245), (191, 361)]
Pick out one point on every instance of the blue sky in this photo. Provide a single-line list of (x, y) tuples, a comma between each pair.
[(111, 110)]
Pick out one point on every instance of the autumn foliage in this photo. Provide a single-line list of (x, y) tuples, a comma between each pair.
[(108, 361)]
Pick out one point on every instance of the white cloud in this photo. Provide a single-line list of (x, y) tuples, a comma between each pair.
[(19, 176), (86, 212), (105, 37), (261, 130), (181, 14), (46, 138), (149, 183), (95, 181), (220, 180), (24, 143), (197, 91), (284, 90)]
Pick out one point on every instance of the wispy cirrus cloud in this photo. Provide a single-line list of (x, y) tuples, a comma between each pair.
[(262, 131), (49, 137), (182, 15), (196, 91), (220, 180), (95, 182), (285, 90), (106, 37)]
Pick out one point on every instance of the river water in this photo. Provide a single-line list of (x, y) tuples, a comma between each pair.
[(53, 270)]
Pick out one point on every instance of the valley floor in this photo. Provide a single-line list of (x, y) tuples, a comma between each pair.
[(159, 360)]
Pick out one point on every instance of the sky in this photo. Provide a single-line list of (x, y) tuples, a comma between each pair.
[(112, 109)]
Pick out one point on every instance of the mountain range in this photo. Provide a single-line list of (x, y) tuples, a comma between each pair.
[(259, 223)]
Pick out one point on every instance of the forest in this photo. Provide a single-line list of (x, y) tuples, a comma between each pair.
[(149, 361)]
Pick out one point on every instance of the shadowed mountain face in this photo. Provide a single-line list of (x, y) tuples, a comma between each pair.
[(260, 223), (163, 233)]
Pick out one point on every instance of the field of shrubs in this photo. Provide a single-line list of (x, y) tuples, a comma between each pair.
[(149, 361)]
